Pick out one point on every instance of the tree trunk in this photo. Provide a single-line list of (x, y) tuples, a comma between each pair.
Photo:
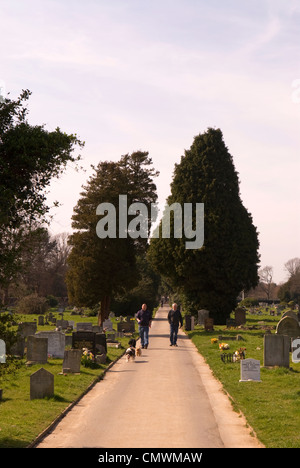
[(5, 296), (104, 310)]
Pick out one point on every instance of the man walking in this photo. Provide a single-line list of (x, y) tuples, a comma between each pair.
[(174, 318), (144, 319)]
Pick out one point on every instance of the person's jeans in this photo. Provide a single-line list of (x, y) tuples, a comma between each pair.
[(173, 333), (144, 335)]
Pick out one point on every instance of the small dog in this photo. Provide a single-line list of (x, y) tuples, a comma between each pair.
[(130, 351), (138, 351)]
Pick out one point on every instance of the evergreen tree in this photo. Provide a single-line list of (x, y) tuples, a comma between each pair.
[(212, 276), (100, 268)]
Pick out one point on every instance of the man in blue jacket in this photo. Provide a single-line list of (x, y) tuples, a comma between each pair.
[(144, 319)]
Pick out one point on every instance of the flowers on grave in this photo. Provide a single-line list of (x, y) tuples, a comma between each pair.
[(223, 346), (239, 354), (214, 340), (87, 358)]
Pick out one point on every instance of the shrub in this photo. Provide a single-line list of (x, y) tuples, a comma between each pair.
[(249, 302), (52, 301), (33, 304)]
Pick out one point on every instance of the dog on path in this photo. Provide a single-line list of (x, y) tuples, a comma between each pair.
[(132, 351)]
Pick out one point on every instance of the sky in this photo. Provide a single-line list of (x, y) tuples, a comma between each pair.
[(128, 75)]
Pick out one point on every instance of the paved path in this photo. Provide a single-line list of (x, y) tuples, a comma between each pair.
[(166, 398)]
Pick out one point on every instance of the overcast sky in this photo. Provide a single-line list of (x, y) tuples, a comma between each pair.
[(150, 75)]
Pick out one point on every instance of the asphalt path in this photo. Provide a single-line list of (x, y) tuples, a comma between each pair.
[(166, 398)]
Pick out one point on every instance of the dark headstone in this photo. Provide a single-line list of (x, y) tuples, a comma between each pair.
[(84, 339), (41, 384)]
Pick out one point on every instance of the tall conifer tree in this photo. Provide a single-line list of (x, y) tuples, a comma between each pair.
[(210, 277), (101, 268)]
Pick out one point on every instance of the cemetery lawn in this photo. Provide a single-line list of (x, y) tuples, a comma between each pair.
[(272, 406), (22, 419)]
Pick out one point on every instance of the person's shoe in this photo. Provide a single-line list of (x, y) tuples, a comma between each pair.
[(176, 344), (143, 347), (171, 344), (146, 346)]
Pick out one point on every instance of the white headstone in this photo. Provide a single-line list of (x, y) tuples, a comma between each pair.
[(250, 370), (56, 342), (2, 352)]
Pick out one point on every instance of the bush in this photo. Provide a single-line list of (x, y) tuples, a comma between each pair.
[(7, 332), (52, 301), (249, 302), (33, 304)]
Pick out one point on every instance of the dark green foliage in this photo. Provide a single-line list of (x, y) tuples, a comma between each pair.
[(210, 277), (146, 291), (7, 331), (30, 157), (100, 269)]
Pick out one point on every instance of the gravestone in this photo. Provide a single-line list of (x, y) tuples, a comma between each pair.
[(240, 316), (56, 342), (126, 327), (209, 324), (41, 384), (101, 358), (27, 328), (41, 320), (290, 313), (84, 326), (62, 323), (188, 323), (18, 347), (2, 352), (97, 329), (68, 340), (230, 322), (100, 343), (289, 326), (296, 350), (107, 324), (192, 322), (72, 361), (84, 339), (37, 350), (202, 315), (250, 370), (110, 336), (276, 350)]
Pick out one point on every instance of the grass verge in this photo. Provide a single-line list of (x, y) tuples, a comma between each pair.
[(22, 419), (272, 406)]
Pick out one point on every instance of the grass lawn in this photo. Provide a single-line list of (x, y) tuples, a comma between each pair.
[(22, 419), (272, 406)]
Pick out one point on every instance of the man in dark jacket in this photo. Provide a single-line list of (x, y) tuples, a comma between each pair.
[(144, 319), (174, 318)]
